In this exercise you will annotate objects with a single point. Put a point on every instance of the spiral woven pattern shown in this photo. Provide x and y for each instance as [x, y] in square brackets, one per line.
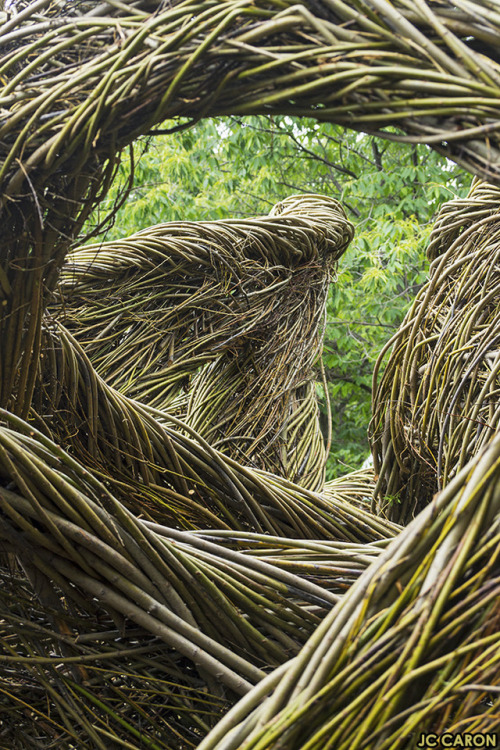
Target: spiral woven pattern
[218, 322]
[157, 563]
[437, 402]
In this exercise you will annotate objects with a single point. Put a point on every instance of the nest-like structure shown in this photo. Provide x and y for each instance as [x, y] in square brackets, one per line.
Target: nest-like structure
[220, 323]
[437, 402]
[157, 561]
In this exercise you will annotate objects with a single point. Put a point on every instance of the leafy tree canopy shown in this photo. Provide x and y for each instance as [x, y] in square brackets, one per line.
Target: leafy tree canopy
[241, 167]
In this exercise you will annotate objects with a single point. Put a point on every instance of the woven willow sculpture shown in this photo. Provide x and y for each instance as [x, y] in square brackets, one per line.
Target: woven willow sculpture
[83, 80]
[116, 630]
[214, 616]
[437, 402]
[413, 647]
[161, 467]
[204, 296]
[220, 323]
[115, 592]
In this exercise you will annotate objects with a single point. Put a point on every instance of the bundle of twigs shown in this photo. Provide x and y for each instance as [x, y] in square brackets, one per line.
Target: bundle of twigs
[137, 626]
[333, 565]
[82, 681]
[157, 464]
[438, 400]
[357, 487]
[413, 647]
[222, 614]
[237, 305]
[83, 80]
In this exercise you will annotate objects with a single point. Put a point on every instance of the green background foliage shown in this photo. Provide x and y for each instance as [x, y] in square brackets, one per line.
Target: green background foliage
[241, 167]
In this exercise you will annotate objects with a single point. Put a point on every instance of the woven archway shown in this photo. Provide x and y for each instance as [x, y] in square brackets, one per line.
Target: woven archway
[116, 629]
